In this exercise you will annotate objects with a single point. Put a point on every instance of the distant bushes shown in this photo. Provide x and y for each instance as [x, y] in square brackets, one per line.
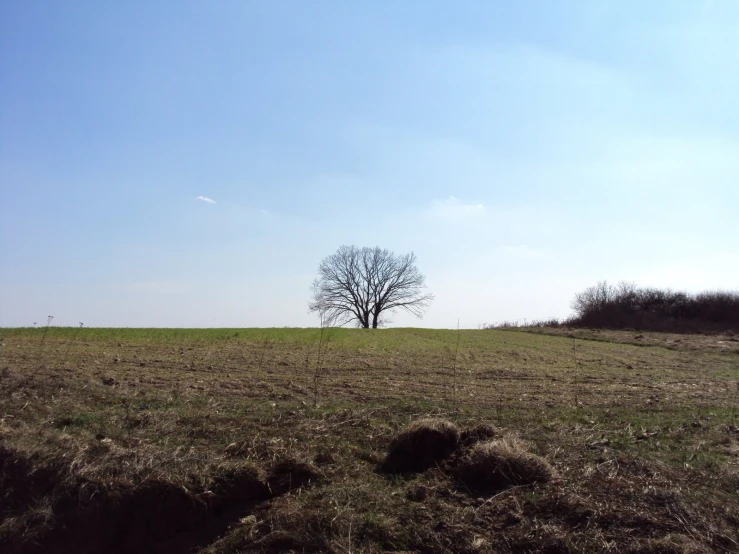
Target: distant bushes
[523, 323]
[626, 306]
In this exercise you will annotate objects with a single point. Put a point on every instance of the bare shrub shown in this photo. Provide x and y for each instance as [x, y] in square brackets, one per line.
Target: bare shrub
[420, 445]
[626, 306]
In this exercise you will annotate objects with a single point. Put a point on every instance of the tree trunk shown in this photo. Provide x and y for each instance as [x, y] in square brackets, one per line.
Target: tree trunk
[374, 321]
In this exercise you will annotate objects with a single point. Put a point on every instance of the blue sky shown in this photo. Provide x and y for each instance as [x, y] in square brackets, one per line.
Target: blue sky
[523, 150]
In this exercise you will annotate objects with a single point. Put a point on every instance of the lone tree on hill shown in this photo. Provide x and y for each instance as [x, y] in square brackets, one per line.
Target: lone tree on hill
[359, 284]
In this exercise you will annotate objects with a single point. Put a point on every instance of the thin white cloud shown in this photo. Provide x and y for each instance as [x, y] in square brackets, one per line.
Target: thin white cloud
[454, 209]
[205, 199]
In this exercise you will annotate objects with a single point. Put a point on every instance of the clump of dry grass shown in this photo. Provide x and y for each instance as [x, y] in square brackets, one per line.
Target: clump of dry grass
[420, 445]
[290, 473]
[241, 483]
[480, 432]
[502, 463]
[670, 544]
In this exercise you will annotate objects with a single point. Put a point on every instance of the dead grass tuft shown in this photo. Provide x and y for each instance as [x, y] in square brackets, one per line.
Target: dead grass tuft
[496, 465]
[240, 484]
[289, 473]
[417, 493]
[670, 544]
[478, 433]
[420, 445]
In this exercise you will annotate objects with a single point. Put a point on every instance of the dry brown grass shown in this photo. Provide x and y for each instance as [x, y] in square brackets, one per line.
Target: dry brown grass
[56, 508]
[496, 465]
[422, 444]
[212, 444]
[670, 544]
[725, 342]
[478, 432]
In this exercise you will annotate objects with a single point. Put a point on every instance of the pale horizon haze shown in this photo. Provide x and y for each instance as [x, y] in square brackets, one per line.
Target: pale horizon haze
[189, 164]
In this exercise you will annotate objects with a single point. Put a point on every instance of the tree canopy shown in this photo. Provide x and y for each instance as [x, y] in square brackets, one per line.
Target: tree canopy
[362, 284]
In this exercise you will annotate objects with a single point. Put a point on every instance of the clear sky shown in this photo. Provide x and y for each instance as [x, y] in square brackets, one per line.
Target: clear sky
[188, 163]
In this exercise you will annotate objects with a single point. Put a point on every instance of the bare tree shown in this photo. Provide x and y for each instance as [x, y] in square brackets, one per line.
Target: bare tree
[363, 284]
[594, 299]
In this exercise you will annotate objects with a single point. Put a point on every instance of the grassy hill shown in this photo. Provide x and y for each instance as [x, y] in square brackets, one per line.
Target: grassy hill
[270, 440]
